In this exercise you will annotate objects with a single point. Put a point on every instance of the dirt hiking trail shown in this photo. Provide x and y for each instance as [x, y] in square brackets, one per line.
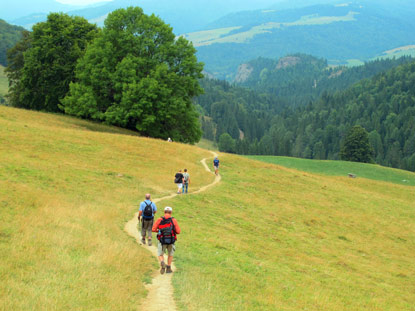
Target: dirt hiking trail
[160, 290]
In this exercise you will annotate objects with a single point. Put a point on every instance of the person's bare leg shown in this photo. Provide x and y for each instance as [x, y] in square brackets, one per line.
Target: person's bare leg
[161, 258]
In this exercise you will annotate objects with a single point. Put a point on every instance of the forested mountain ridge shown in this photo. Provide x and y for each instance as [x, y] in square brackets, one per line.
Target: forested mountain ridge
[298, 79]
[263, 123]
[9, 35]
[383, 105]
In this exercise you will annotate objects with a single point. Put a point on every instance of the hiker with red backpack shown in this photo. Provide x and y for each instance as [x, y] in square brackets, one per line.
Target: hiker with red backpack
[167, 228]
[146, 213]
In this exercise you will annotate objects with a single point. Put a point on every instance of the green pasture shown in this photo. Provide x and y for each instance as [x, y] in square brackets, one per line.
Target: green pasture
[343, 168]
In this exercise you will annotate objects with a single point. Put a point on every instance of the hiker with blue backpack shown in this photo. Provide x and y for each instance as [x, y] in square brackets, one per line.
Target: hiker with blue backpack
[216, 165]
[146, 213]
[168, 229]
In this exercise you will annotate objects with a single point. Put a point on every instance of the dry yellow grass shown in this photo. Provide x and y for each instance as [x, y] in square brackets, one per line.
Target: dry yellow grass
[265, 238]
[67, 187]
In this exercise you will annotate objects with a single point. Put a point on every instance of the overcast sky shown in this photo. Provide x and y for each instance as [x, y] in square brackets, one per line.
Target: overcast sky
[81, 2]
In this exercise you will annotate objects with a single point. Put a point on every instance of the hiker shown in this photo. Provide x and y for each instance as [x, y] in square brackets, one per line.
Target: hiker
[167, 228]
[146, 213]
[186, 180]
[178, 180]
[169, 140]
[216, 165]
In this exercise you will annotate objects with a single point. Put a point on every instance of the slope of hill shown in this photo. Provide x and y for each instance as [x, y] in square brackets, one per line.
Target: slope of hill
[342, 168]
[298, 241]
[9, 35]
[358, 30]
[67, 186]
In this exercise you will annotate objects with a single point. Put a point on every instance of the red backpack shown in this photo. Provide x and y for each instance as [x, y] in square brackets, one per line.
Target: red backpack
[167, 234]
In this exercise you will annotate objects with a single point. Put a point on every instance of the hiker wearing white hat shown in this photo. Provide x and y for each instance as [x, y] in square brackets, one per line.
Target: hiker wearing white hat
[167, 228]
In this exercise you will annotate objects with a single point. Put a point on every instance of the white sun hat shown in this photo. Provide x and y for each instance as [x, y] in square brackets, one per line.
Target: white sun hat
[168, 209]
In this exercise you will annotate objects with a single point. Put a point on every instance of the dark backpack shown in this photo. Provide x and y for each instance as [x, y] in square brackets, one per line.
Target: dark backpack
[166, 231]
[148, 211]
[178, 178]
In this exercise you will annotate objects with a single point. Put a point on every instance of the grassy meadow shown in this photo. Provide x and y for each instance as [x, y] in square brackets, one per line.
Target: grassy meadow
[267, 237]
[273, 238]
[343, 168]
[67, 187]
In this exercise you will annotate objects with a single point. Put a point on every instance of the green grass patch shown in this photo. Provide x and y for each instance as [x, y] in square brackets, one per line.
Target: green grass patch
[343, 168]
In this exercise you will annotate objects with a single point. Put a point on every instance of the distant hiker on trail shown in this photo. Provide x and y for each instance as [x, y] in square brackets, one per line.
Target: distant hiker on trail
[167, 228]
[216, 165]
[146, 213]
[186, 180]
[169, 140]
[178, 180]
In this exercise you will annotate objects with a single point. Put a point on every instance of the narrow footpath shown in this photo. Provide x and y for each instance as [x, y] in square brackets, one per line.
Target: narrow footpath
[161, 289]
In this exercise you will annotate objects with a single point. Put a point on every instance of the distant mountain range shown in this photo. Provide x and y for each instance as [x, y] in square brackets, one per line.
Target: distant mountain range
[182, 15]
[229, 33]
[342, 32]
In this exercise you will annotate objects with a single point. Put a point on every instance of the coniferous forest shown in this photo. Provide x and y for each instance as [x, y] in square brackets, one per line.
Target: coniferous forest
[265, 123]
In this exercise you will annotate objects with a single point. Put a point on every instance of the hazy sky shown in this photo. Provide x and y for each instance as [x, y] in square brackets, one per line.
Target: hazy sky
[81, 2]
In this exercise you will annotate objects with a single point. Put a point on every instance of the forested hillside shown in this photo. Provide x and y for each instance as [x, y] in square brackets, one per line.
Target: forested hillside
[383, 105]
[298, 79]
[263, 123]
[238, 111]
[9, 35]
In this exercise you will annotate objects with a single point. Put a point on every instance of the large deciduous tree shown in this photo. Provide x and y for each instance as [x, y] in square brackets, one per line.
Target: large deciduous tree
[49, 61]
[138, 75]
[356, 146]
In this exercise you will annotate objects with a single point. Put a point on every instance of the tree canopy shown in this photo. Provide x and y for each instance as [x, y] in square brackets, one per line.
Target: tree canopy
[42, 64]
[356, 146]
[137, 74]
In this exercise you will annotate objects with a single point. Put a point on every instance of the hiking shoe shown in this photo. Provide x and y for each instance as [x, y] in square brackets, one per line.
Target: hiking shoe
[150, 243]
[143, 241]
[163, 267]
[169, 270]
